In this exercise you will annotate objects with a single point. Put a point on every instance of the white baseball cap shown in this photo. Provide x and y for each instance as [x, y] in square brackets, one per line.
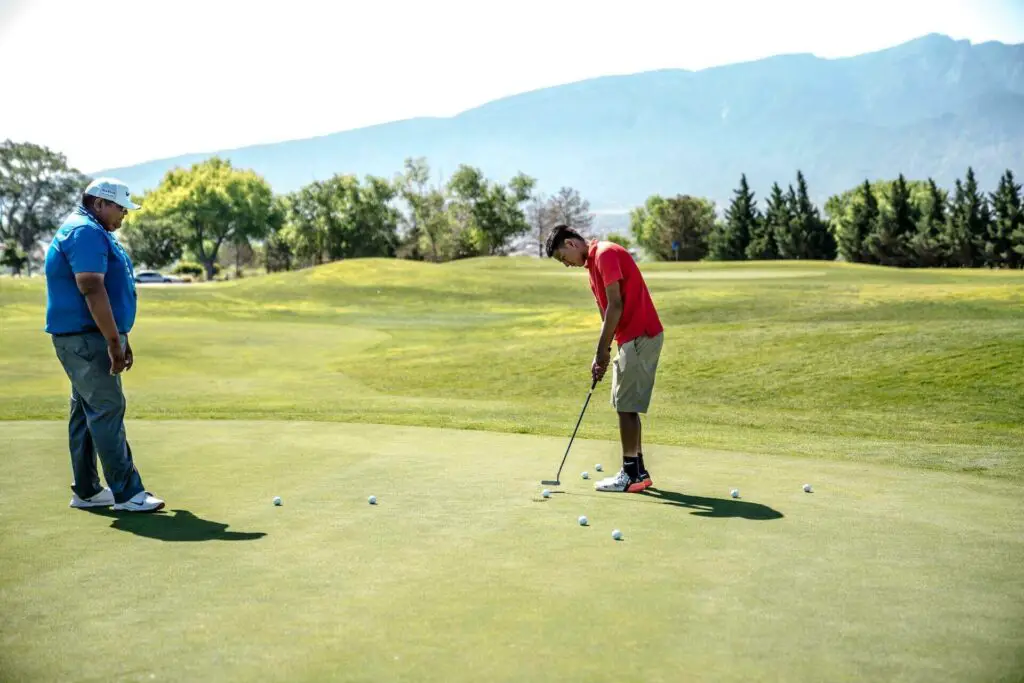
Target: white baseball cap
[113, 190]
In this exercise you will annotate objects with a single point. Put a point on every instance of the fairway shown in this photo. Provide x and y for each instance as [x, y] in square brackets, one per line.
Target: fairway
[463, 572]
[449, 391]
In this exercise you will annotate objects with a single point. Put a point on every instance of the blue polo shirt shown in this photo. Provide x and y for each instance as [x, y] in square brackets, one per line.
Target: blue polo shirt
[82, 245]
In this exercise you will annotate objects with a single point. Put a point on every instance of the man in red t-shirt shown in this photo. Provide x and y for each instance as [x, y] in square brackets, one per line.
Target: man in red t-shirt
[628, 316]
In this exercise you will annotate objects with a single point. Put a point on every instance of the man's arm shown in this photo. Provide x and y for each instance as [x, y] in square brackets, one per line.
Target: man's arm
[611, 320]
[611, 315]
[92, 288]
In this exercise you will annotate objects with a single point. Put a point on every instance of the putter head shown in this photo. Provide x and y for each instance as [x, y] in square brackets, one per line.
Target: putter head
[551, 482]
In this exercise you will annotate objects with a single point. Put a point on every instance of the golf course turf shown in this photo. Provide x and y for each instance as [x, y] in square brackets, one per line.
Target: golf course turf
[449, 391]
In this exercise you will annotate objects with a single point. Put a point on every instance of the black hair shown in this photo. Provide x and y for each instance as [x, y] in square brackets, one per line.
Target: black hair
[557, 237]
[89, 202]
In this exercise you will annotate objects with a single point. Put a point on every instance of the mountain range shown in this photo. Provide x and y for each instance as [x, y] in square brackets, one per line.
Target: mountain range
[930, 107]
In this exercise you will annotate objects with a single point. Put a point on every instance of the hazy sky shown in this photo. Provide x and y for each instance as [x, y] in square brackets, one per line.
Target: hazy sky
[124, 81]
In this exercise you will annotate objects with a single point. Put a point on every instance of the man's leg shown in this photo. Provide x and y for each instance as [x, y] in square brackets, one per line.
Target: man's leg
[629, 431]
[624, 369]
[86, 482]
[86, 361]
[644, 474]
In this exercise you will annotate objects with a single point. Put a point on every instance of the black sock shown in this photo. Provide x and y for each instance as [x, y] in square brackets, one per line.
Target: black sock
[632, 467]
[643, 467]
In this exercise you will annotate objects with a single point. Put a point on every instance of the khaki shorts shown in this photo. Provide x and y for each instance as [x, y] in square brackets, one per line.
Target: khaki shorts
[633, 371]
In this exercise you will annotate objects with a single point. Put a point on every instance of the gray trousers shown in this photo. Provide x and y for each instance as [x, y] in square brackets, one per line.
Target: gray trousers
[96, 422]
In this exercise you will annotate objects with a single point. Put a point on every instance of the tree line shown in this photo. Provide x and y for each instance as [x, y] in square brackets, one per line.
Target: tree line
[198, 215]
[891, 223]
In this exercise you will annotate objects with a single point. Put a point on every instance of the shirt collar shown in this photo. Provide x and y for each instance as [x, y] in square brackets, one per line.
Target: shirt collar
[591, 250]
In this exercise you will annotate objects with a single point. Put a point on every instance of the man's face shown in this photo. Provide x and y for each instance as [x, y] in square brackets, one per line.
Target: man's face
[572, 253]
[110, 214]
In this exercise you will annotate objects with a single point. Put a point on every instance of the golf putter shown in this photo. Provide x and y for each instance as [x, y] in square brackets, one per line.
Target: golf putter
[557, 480]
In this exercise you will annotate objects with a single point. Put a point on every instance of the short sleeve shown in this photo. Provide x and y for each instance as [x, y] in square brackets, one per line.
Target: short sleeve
[609, 267]
[87, 251]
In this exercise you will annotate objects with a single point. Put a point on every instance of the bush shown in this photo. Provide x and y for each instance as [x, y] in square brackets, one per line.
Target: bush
[620, 240]
[189, 268]
[194, 269]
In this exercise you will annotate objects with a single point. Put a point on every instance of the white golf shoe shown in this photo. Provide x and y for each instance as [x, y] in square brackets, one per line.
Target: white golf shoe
[103, 499]
[142, 501]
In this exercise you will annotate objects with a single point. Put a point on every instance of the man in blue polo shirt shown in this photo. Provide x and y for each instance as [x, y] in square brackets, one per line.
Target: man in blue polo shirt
[90, 309]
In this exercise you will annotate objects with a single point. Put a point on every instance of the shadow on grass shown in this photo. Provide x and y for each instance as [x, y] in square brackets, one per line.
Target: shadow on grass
[181, 526]
[714, 507]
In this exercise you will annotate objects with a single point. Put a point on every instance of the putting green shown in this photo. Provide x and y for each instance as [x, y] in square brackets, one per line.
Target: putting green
[463, 572]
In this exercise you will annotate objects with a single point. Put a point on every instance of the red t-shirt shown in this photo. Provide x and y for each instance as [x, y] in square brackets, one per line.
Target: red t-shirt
[608, 262]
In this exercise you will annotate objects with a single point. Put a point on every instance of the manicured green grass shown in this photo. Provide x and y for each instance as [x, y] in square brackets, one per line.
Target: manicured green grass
[918, 368]
[463, 572]
[896, 393]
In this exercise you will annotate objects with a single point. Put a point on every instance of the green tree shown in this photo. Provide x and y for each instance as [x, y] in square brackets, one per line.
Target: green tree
[731, 237]
[212, 203]
[854, 221]
[674, 228]
[151, 240]
[621, 240]
[890, 242]
[412, 189]
[808, 236]
[340, 218]
[926, 244]
[1004, 247]
[966, 228]
[37, 190]
[487, 215]
[13, 257]
[777, 218]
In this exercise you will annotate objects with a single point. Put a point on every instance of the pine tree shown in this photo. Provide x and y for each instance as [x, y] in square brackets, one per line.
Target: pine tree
[889, 243]
[776, 220]
[862, 223]
[966, 228]
[817, 240]
[1004, 247]
[927, 243]
[788, 236]
[732, 237]
[762, 245]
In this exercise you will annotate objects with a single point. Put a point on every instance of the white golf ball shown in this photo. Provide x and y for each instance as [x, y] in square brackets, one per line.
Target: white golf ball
[372, 500]
[617, 535]
[598, 467]
[735, 493]
[582, 520]
[807, 488]
[585, 475]
[277, 500]
[546, 493]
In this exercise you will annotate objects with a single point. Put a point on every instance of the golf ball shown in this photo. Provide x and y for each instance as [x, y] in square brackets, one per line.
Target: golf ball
[585, 475]
[735, 493]
[582, 520]
[807, 488]
[277, 500]
[598, 467]
[372, 500]
[617, 535]
[546, 493]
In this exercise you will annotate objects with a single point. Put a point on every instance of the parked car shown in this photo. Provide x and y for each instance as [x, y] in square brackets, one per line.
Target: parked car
[153, 276]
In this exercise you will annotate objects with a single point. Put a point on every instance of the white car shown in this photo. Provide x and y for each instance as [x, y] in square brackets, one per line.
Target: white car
[153, 276]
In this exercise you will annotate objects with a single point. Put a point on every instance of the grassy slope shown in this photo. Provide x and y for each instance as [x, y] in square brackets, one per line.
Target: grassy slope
[908, 367]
